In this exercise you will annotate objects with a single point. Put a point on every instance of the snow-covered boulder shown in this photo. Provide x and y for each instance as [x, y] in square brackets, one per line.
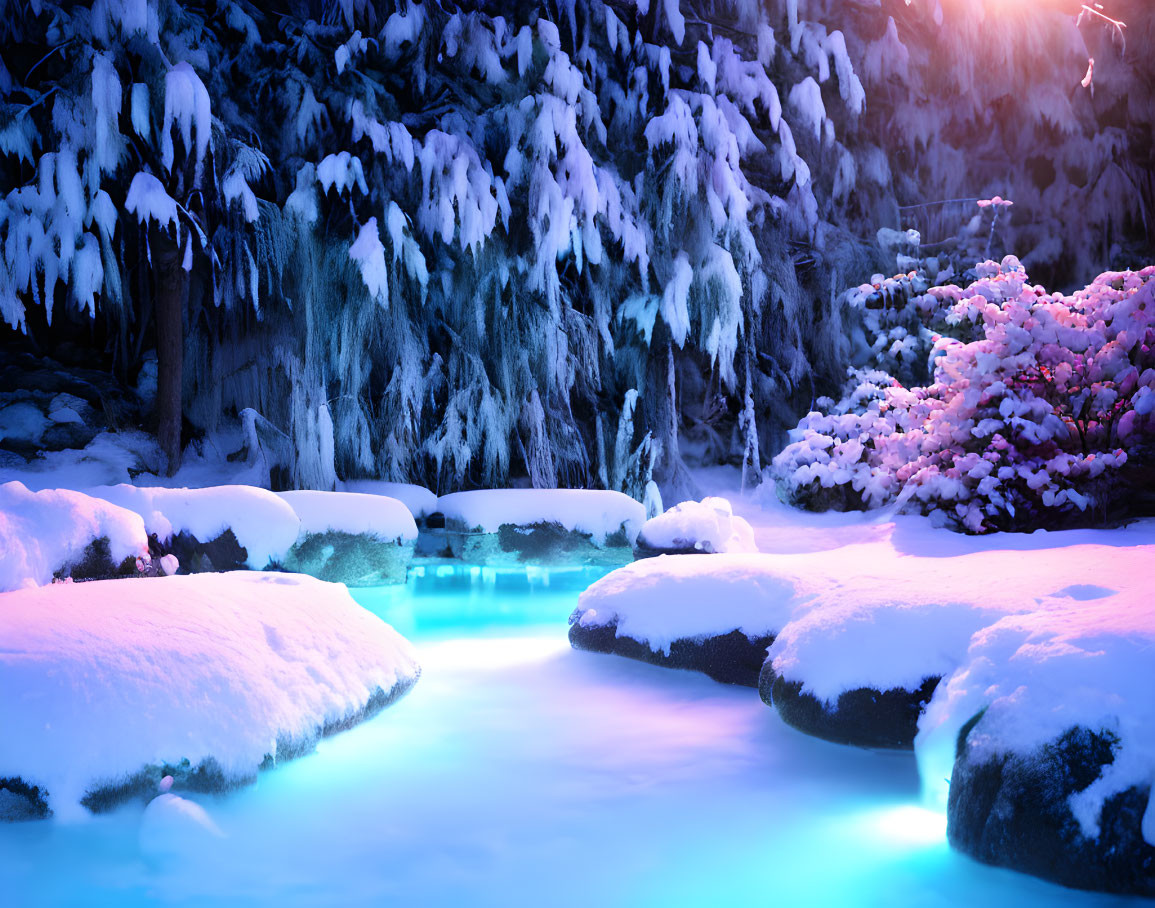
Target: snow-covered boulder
[861, 663]
[1049, 726]
[352, 538]
[110, 686]
[219, 528]
[496, 526]
[57, 533]
[692, 527]
[420, 501]
[715, 615]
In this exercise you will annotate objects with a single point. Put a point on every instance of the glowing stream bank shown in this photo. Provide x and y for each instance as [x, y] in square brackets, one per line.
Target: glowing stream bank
[520, 772]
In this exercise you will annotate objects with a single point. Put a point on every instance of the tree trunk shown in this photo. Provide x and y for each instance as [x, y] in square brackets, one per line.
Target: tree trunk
[171, 302]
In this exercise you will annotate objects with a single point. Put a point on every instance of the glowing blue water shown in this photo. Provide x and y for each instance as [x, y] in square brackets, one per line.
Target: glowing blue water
[520, 772]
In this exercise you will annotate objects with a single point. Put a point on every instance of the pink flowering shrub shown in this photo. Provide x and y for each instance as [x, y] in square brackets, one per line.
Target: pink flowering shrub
[1043, 417]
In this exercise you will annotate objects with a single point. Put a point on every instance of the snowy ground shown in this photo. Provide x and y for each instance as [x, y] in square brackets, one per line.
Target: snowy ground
[521, 772]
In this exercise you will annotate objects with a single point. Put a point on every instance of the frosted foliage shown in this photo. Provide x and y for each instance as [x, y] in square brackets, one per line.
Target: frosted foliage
[149, 201]
[369, 255]
[188, 110]
[464, 227]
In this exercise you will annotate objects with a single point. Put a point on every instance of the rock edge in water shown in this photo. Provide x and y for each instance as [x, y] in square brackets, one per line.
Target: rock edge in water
[731, 658]
[21, 801]
[864, 717]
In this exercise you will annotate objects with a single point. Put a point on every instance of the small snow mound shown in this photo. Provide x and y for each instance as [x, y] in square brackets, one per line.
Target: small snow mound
[172, 826]
[708, 526]
[43, 532]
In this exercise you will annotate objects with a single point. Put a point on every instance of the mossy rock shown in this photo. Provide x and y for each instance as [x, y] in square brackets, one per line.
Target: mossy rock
[355, 559]
[864, 717]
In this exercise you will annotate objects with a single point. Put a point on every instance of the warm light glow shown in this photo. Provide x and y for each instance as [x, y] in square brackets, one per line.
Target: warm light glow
[910, 825]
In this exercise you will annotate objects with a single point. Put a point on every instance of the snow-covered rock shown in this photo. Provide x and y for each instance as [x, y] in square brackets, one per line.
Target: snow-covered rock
[352, 538]
[707, 526]
[420, 501]
[541, 525]
[59, 533]
[864, 659]
[716, 615]
[111, 685]
[861, 663]
[1049, 727]
[216, 528]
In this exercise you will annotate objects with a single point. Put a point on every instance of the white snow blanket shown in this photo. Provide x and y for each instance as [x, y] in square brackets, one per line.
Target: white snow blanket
[42, 532]
[103, 678]
[264, 524]
[596, 512]
[420, 501]
[708, 525]
[351, 512]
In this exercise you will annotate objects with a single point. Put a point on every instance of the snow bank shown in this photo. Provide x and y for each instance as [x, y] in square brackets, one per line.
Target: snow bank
[420, 501]
[596, 512]
[708, 525]
[886, 620]
[103, 679]
[1082, 660]
[43, 532]
[673, 597]
[263, 524]
[351, 512]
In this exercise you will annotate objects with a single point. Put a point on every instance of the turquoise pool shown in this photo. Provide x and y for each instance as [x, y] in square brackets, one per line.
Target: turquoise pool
[519, 772]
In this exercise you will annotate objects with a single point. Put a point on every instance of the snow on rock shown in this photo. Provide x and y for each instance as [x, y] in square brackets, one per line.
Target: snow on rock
[263, 524]
[890, 621]
[658, 601]
[1082, 660]
[707, 526]
[420, 501]
[598, 513]
[106, 680]
[351, 512]
[47, 532]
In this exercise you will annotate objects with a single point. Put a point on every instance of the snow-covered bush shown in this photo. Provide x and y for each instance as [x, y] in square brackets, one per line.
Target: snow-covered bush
[1041, 420]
